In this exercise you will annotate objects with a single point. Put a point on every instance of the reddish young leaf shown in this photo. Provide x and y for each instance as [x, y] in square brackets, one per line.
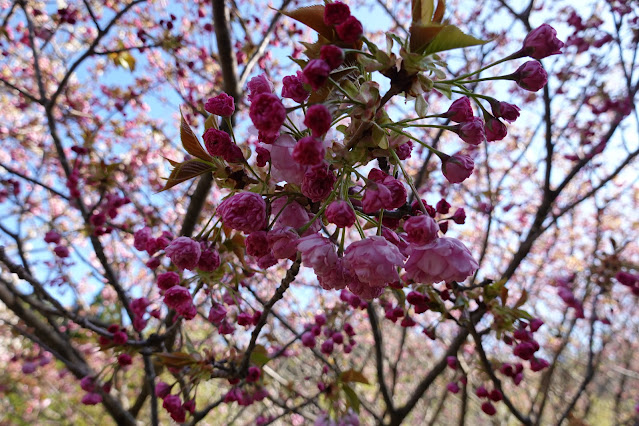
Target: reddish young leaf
[186, 171]
[190, 142]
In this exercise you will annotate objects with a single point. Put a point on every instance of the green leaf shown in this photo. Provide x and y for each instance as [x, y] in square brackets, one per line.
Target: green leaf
[451, 37]
[400, 295]
[421, 106]
[423, 11]
[380, 137]
[445, 90]
[259, 356]
[351, 397]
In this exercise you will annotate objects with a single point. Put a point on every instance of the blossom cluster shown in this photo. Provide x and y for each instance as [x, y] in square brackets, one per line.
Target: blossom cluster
[328, 187]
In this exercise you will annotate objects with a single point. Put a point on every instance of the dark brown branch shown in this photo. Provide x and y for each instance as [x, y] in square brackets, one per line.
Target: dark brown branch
[89, 52]
[437, 369]
[491, 373]
[279, 293]
[259, 51]
[21, 91]
[34, 181]
[379, 360]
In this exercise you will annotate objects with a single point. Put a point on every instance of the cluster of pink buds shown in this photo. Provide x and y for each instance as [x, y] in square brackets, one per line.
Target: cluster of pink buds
[173, 403]
[495, 396]
[331, 334]
[564, 291]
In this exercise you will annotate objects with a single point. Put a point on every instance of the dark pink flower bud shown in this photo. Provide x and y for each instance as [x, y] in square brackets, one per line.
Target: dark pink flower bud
[61, 251]
[168, 280]
[318, 119]
[481, 392]
[257, 85]
[627, 279]
[521, 334]
[263, 156]
[217, 313]
[225, 327]
[508, 112]
[308, 339]
[141, 238]
[217, 142]
[267, 113]
[408, 322]
[472, 131]
[189, 406]
[124, 360]
[376, 197]
[254, 374]
[335, 13]
[320, 319]
[350, 30]
[340, 213]
[538, 364]
[293, 88]
[495, 129]
[316, 73]
[458, 168]
[453, 387]
[442, 206]
[398, 192]
[162, 389]
[327, 347]
[29, 367]
[209, 260]
[488, 408]
[87, 384]
[460, 111]
[531, 76]
[52, 237]
[318, 182]
[222, 105]
[542, 42]
[452, 362]
[535, 323]
[460, 216]
[495, 395]
[91, 399]
[173, 405]
[415, 298]
[308, 151]
[333, 55]
[257, 244]
[337, 337]
[421, 229]
[507, 370]
[120, 337]
[184, 252]
[518, 378]
[404, 151]
[178, 298]
[524, 350]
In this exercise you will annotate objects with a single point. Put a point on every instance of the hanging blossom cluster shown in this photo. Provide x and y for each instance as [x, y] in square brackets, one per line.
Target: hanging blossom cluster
[309, 193]
[327, 185]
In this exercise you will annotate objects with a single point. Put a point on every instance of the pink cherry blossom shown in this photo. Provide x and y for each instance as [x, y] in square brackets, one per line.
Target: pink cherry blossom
[373, 261]
[444, 259]
[244, 211]
[184, 252]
